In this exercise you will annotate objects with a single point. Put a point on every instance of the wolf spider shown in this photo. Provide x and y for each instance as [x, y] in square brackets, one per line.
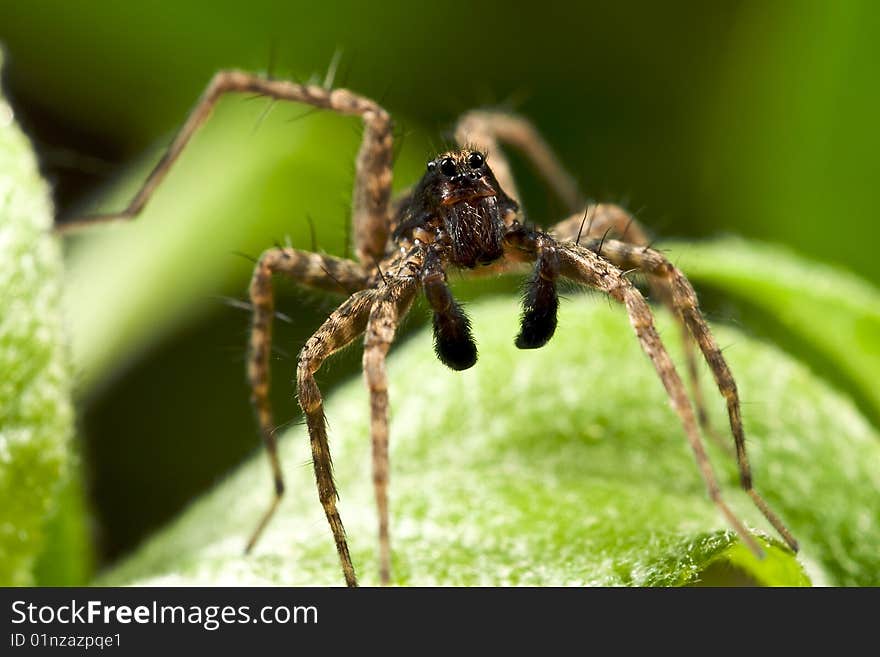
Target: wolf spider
[461, 214]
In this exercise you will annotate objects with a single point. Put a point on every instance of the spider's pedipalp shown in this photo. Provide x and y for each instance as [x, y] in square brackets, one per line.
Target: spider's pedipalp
[541, 301]
[453, 341]
[392, 304]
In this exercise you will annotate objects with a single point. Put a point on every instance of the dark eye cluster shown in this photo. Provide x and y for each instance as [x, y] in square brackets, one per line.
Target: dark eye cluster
[447, 164]
[475, 160]
[447, 167]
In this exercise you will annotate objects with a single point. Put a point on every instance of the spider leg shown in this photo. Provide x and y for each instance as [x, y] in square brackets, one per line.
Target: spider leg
[603, 220]
[392, 304]
[345, 324]
[584, 266]
[373, 169]
[597, 220]
[485, 129]
[684, 299]
[310, 269]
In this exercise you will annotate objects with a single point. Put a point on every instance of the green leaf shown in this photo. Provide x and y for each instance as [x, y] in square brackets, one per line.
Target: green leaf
[787, 143]
[563, 465]
[822, 313]
[36, 416]
[68, 557]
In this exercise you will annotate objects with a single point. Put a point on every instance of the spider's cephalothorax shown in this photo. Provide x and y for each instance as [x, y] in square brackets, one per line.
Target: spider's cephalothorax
[460, 214]
[461, 203]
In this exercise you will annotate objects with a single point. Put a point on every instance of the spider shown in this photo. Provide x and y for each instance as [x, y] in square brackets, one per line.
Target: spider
[462, 214]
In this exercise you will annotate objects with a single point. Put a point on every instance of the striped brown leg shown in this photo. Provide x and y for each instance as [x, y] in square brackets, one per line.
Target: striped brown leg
[584, 266]
[344, 325]
[604, 220]
[310, 269]
[600, 220]
[684, 299]
[373, 169]
[393, 303]
[485, 129]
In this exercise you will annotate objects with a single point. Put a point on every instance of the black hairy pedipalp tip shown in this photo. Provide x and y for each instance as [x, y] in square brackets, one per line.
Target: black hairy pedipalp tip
[453, 342]
[538, 326]
[539, 318]
[458, 355]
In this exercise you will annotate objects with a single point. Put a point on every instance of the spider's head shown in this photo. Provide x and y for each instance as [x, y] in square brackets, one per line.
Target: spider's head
[460, 176]
[460, 195]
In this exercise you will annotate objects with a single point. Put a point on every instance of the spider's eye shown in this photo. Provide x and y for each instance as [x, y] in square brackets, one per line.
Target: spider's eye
[432, 165]
[476, 160]
[447, 167]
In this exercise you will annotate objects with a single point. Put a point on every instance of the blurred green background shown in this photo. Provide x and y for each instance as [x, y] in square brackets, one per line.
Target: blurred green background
[748, 118]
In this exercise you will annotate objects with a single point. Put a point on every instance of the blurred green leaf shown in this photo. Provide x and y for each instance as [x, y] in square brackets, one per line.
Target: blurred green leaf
[789, 134]
[68, 558]
[563, 465]
[36, 416]
[816, 308]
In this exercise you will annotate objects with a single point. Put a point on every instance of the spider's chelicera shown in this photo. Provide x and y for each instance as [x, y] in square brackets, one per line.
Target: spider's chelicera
[461, 214]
